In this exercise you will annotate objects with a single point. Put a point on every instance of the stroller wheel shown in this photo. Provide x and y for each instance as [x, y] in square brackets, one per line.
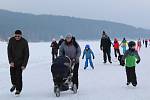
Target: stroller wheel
[55, 89]
[74, 88]
[57, 92]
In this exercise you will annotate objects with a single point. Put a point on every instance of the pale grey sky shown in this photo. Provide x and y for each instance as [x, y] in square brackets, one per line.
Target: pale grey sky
[132, 12]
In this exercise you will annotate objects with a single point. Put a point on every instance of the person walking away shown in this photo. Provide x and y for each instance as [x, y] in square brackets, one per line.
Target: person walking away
[143, 41]
[116, 48]
[54, 47]
[88, 53]
[124, 45]
[68, 48]
[131, 57]
[146, 43]
[105, 46]
[18, 55]
[139, 44]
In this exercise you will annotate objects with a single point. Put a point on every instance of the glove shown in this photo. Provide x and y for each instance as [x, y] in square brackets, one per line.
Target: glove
[73, 60]
[123, 63]
[22, 67]
[93, 57]
[138, 61]
[101, 48]
[12, 64]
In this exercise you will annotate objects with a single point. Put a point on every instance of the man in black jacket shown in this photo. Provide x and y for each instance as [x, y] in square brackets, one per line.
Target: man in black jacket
[106, 47]
[18, 55]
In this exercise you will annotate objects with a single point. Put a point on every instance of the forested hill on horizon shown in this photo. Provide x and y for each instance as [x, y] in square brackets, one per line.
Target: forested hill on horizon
[45, 27]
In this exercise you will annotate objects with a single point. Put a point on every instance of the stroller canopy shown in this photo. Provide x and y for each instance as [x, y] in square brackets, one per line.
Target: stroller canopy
[61, 66]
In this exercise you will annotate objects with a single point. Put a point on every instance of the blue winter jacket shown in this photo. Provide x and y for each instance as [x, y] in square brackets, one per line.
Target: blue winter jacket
[88, 53]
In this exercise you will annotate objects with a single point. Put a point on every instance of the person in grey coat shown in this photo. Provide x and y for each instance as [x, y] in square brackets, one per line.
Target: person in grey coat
[71, 49]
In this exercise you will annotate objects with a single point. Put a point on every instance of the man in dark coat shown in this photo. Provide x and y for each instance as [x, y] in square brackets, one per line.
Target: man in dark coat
[18, 55]
[106, 47]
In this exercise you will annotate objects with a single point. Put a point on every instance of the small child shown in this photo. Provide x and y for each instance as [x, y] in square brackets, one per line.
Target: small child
[88, 52]
[116, 47]
[131, 57]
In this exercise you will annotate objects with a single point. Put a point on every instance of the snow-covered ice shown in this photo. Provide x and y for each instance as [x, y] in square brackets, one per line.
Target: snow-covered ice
[106, 82]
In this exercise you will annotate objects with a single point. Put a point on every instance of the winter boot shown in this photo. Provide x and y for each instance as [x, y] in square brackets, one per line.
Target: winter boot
[17, 93]
[110, 62]
[128, 83]
[105, 62]
[85, 68]
[134, 84]
[13, 88]
[92, 67]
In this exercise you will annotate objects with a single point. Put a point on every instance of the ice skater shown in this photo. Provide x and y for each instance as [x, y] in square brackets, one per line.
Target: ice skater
[116, 48]
[105, 46]
[88, 53]
[124, 45]
[131, 57]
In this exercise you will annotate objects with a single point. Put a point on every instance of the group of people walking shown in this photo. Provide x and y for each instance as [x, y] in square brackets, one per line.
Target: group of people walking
[18, 55]
[106, 44]
[129, 58]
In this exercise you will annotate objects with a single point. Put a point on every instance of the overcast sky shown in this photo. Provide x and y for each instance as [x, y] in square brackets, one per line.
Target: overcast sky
[132, 12]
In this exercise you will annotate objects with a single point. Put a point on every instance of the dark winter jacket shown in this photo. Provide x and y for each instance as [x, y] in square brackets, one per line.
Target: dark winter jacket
[75, 42]
[60, 42]
[55, 47]
[70, 50]
[116, 44]
[18, 52]
[105, 42]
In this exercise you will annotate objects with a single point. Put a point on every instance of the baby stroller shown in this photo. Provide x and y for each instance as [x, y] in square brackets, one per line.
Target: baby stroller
[62, 72]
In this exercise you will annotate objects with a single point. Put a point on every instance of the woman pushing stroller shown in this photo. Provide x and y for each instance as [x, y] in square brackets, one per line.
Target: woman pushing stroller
[71, 49]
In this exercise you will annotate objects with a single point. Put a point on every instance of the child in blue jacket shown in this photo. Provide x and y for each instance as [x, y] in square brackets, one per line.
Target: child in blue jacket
[88, 53]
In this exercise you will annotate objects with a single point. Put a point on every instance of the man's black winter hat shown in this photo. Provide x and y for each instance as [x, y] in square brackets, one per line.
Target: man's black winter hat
[104, 33]
[18, 32]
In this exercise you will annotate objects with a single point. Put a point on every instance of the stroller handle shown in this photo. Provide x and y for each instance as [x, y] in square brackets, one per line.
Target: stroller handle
[72, 63]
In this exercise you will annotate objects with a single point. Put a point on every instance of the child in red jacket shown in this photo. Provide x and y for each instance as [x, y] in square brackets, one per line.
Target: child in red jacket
[116, 47]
